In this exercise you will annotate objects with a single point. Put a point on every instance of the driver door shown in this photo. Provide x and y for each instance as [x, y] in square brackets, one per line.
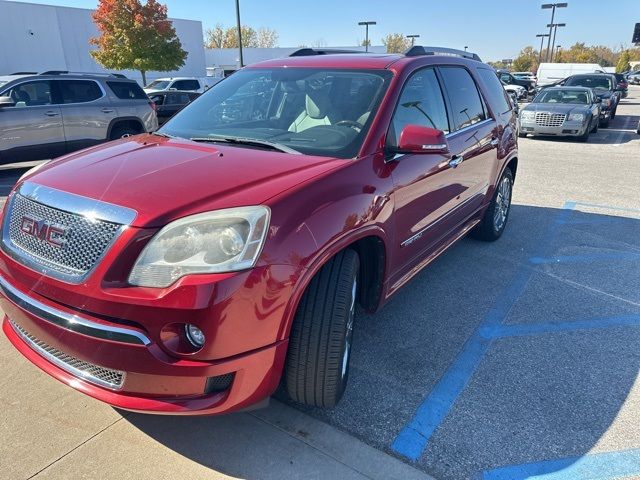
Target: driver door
[426, 188]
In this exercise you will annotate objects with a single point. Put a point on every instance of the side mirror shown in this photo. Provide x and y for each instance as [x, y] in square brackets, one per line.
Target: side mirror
[7, 102]
[419, 139]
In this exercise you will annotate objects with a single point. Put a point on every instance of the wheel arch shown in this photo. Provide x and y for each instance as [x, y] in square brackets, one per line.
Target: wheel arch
[135, 121]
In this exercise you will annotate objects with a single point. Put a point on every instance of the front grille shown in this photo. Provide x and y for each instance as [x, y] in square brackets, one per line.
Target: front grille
[550, 119]
[104, 377]
[72, 253]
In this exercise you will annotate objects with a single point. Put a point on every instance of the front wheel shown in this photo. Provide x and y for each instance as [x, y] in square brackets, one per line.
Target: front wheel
[495, 217]
[317, 365]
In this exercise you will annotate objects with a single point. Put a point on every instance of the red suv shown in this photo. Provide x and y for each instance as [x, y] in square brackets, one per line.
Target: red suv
[189, 270]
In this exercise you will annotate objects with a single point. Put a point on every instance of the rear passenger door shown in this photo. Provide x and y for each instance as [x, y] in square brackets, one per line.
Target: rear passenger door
[32, 129]
[473, 139]
[86, 112]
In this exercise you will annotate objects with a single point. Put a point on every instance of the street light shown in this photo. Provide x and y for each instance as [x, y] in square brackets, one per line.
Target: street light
[555, 29]
[413, 38]
[553, 7]
[366, 26]
[541, 36]
[465, 47]
[239, 32]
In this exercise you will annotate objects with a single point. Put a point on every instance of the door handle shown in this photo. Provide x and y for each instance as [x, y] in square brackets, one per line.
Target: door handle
[107, 110]
[51, 113]
[455, 161]
[495, 142]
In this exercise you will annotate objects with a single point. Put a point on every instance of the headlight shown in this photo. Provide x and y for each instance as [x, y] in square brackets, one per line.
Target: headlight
[576, 117]
[212, 242]
[527, 115]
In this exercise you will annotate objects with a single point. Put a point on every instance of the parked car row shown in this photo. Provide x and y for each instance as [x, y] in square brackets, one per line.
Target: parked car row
[575, 106]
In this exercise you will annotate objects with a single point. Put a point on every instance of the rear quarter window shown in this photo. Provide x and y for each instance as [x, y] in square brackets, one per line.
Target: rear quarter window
[127, 90]
[496, 94]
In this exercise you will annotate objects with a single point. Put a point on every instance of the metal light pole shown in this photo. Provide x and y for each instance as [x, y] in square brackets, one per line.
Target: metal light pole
[413, 38]
[555, 29]
[239, 32]
[366, 38]
[558, 47]
[541, 36]
[553, 7]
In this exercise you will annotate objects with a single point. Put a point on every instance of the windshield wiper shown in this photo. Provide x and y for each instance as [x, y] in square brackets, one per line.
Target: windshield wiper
[247, 141]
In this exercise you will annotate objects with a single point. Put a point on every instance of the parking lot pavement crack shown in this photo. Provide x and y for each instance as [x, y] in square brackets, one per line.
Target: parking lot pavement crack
[74, 448]
[589, 289]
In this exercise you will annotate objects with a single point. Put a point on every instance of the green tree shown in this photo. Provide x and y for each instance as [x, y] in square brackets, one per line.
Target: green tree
[134, 36]
[623, 62]
[526, 61]
[219, 37]
[396, 43]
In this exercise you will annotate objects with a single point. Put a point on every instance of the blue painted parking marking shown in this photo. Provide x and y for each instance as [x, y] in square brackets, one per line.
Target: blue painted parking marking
[601, 466]
[414, 437]
[507, 331]
[592, 257]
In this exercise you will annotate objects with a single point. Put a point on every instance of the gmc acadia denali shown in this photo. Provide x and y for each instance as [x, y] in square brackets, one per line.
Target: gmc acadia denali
[188, 271]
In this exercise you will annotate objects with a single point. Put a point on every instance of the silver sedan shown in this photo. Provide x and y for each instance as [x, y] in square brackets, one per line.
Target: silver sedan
[561, 111]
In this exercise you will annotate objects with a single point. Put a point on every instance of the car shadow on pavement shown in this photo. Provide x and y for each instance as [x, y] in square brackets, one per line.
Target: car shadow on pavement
[555, 304]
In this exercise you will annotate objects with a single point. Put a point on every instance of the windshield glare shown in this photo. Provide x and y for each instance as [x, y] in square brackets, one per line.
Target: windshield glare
[310, 110]
[159, 84]
[601, 82]
[579, 97]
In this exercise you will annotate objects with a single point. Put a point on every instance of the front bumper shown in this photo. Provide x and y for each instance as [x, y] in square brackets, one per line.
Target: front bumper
[154, 381]
[567, 129]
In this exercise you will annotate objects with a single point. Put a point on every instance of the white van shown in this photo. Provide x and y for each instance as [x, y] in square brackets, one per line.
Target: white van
[186, 84]
[549, 73]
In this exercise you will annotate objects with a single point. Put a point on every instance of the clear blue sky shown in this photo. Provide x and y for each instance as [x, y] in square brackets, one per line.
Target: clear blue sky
[495, 29]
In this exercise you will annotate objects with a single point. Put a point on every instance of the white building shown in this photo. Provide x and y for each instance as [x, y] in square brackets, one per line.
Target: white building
[229, 58]
[36, 38]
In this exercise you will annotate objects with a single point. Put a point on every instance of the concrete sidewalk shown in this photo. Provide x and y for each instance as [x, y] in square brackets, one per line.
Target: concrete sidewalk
[50, 431]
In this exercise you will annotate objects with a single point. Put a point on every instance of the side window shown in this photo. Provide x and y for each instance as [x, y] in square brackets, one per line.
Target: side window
[79, 91]
[497, 96]
[157, 99]
[464, 97]
[30, 94]
[127, 90]
[186, 85]
[421, 103]
[177, 99]
[506, 78]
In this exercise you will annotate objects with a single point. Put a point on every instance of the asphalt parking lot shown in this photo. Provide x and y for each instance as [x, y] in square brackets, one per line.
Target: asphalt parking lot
[500, 361]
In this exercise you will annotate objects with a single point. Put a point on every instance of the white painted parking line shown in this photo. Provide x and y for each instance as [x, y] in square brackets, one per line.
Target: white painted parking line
[625, 129]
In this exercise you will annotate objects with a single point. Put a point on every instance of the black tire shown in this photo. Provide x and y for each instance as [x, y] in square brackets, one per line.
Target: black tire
[317, 365]
[604, 123]
[522, 135]
[585, 136]
[121, 131]
[488, 229]
[595, 127]
[613, 113]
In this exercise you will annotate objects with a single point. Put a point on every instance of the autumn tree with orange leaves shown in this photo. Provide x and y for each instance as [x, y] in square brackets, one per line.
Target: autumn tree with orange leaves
[136, 36]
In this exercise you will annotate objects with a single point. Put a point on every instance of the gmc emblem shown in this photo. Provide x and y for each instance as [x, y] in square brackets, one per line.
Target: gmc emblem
[54, 235]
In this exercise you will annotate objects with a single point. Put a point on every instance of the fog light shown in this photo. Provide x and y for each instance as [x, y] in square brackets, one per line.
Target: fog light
[194, 335]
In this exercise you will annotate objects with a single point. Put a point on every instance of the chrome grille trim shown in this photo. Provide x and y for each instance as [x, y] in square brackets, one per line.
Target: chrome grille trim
[544, 119]
[104, 377]
[70, 321]
[91, 227]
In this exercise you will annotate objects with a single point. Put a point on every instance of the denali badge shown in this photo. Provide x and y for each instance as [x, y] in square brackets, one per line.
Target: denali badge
[48, 232]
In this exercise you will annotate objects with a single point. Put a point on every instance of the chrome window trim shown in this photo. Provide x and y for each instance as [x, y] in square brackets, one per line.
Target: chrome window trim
[71, 203]
[68, 321]
[23, 334]
[31, 80]
[469, 127]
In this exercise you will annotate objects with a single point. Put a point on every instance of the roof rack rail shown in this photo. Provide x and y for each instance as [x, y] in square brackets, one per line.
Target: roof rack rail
[419, 50]
[307, 52]
[23, 73]
[95, 74]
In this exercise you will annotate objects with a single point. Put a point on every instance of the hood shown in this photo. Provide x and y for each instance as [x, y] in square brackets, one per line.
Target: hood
[164, 179]
[565, 108]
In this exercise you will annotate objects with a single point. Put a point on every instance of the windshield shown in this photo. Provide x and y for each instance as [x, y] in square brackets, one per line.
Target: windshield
[159, 84]
[311, 110]
[595, 81]
[579, 97]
